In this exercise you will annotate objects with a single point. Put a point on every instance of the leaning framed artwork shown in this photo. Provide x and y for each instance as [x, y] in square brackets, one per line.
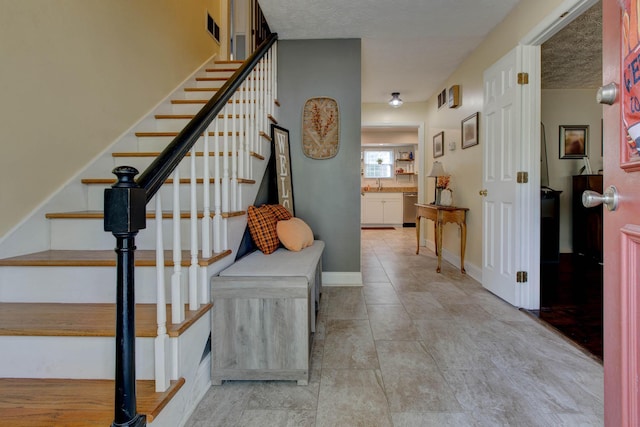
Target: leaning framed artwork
[573, 141]
[438, 145]
[469, 129]
[282, 166]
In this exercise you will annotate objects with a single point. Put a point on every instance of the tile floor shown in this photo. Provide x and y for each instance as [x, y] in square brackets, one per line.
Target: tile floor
[416, 348]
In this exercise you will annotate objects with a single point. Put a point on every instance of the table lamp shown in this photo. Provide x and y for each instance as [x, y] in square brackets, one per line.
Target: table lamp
[436, 171]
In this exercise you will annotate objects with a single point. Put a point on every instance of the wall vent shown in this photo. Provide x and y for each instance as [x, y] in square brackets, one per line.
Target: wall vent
[212, 28]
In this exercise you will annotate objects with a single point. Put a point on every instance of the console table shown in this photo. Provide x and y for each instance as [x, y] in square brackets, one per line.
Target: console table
[441, 215]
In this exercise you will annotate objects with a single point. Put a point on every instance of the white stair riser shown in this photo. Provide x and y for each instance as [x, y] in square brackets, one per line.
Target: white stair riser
[158, 143]
[80, 284]
[176, 125]
[87, 234]
[69, 357]
[95, 197]
[141, 163]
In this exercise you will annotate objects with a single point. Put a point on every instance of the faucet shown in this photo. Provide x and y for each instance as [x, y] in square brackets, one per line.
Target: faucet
[379, 184]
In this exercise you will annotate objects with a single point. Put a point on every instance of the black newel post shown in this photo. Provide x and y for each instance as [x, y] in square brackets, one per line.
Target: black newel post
[124, 214]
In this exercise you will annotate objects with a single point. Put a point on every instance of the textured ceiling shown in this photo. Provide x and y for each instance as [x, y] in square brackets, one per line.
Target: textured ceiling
[572, 59]
[408, 46]
[412, 46]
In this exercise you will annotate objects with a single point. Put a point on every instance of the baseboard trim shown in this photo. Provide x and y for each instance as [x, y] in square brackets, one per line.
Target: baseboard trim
[339, 278]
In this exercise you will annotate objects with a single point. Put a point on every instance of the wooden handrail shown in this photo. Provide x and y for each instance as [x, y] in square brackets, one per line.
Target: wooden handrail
[154, 176]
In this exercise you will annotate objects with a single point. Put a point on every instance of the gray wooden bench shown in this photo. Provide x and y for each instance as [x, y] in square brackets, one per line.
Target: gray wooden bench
[264, 316]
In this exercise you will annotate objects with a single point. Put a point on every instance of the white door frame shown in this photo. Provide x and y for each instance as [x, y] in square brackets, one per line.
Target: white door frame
[529, 205]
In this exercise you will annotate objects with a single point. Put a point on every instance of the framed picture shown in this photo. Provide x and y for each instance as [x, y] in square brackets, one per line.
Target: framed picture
[573, 141]
[469, 128]
[438, 145]
[442, 98]
[281, 155]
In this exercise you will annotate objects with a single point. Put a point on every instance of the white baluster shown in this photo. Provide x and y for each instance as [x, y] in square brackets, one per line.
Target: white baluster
[225, 174]
[206, 199]
[275, 72]
[269, 85]
[162, 350]
[177, 308]
[193, 235]
[252, 113]
[241, 145]
[260, 110]
[217, 199]
[233, 185]
[248, 173]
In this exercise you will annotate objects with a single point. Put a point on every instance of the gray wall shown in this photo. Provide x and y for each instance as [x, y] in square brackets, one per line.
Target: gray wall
[326, 192]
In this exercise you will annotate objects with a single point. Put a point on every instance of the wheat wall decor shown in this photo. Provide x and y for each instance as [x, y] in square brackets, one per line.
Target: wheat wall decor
[320, 128]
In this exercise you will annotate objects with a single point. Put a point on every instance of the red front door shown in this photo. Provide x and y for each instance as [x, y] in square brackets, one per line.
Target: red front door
[621, 64]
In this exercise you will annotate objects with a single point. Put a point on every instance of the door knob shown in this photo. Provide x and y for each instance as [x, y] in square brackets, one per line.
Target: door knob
[610, 198]
[483, 193]
[607, 94]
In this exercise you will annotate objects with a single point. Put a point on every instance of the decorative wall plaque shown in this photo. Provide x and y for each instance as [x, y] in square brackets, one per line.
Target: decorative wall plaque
[320, 128]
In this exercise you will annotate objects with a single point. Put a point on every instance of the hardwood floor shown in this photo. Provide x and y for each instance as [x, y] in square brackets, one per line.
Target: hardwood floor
[571, 300]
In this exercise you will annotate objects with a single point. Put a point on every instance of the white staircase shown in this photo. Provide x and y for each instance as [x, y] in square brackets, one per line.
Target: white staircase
[57, 303]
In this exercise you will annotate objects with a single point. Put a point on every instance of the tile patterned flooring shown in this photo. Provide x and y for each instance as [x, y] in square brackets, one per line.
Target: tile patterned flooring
[416, 348]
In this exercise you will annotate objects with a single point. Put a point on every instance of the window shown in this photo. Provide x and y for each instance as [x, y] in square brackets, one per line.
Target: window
[378, 163]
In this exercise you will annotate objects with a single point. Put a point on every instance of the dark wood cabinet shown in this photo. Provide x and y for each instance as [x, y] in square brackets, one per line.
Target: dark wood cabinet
[587, 222]
[549, 226]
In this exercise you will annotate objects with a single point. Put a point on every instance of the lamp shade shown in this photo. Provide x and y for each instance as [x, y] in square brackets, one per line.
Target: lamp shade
[395, 100]
[437, 170]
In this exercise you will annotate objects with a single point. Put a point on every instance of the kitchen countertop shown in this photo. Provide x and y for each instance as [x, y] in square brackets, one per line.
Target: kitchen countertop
[390, 190]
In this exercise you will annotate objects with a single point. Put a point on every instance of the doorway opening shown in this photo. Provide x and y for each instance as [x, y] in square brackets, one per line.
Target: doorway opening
[571, 235]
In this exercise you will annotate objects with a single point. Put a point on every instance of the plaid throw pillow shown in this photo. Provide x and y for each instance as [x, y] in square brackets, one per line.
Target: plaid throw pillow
[262, 227]
[281, 213]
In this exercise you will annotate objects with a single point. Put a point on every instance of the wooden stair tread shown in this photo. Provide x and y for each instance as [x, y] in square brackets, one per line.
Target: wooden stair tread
[102, 258]
[150, 214]
[174, 134]
[222, 70]
[157, 153]
[198, 153]
[85, 320]
[204, 101]
[191, 116]
[229, 61]
[109, 181]
[39, 402]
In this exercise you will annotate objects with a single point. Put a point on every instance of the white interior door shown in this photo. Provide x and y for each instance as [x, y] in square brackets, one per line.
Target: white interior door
[500, 124]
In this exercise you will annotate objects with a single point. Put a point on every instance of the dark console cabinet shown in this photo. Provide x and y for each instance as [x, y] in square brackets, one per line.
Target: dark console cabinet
[549, 226]
[587, 222]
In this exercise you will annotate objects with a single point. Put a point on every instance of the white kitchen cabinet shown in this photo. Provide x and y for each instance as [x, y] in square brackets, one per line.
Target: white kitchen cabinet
[382, 208]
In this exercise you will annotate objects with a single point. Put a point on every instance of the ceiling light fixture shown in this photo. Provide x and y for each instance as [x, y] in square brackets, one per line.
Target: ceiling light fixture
[395, 100]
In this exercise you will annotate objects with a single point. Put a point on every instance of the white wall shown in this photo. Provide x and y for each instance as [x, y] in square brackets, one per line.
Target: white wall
[570, 107]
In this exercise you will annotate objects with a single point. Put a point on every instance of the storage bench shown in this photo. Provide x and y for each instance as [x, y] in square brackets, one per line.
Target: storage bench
[263, 316]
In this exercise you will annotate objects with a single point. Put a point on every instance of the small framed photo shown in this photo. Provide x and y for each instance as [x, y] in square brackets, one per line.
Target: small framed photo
[438, 145]
[469, 128]
[573, 141]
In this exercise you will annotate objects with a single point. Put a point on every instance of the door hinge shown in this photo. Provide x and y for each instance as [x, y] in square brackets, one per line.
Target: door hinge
[523, 78]
[523, 177]
[521, 277]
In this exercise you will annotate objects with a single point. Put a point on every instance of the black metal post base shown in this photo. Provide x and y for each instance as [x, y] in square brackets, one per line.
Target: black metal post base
[137, 421]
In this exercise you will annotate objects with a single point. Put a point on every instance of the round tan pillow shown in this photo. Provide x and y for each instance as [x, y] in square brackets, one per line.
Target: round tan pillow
[294, 234]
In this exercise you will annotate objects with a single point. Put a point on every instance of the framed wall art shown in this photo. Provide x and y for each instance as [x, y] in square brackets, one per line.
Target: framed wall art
[469, 128]
[438, 145]
[573, 141]
[320, 128]
[282, 166]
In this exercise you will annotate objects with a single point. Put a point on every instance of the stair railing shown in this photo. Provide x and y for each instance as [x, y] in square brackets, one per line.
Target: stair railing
[125, 214]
